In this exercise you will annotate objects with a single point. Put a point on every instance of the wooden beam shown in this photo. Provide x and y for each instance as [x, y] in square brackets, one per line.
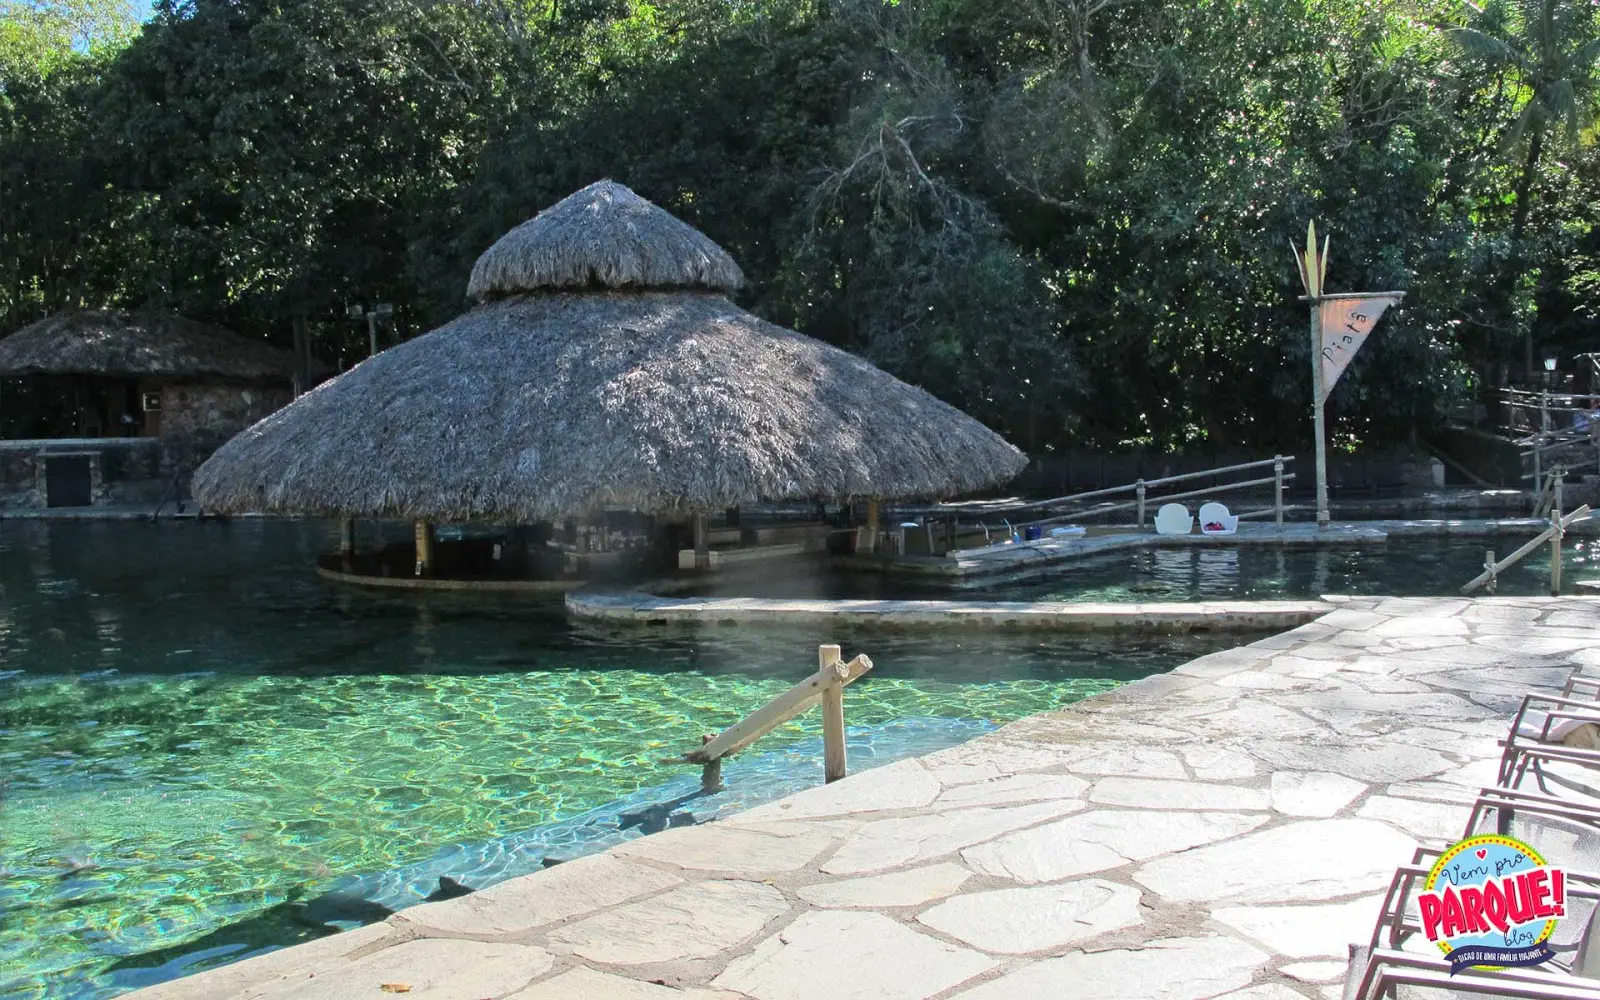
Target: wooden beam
[831, 661]
[777, 711]
[347, 537]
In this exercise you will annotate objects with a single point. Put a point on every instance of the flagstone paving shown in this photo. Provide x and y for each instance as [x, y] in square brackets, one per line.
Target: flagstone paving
[1225, 830]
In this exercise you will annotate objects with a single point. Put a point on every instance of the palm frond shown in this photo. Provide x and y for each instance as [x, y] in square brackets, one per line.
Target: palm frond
[1476, 44]
[1560, 100]
[1534, 114]
[1582, 60]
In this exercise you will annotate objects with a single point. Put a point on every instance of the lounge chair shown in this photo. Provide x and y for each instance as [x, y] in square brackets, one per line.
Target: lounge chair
[1215, 520]
[1398, 962]
[1174, 519]
[1550, 734]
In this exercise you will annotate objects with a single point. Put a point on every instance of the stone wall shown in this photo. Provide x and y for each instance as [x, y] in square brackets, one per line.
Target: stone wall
[197, 419]
[121, 470]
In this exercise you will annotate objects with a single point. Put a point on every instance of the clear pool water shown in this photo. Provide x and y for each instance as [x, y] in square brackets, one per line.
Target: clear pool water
[193, 727]
[1402, 567]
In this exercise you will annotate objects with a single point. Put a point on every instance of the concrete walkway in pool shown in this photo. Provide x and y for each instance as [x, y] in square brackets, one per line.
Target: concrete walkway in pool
[1040, 555]
[1223, 830]
[634, 606]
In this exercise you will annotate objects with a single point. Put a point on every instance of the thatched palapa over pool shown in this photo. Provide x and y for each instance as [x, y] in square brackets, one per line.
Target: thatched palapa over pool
[605, 365]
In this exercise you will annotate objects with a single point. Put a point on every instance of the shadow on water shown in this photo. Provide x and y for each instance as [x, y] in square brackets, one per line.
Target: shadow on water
[293, 921]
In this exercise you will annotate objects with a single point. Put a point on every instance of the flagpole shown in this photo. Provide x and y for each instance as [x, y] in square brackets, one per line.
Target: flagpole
[1316, 412]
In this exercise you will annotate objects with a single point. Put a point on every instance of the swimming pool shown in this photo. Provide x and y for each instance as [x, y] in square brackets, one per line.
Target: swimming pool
[193, 727]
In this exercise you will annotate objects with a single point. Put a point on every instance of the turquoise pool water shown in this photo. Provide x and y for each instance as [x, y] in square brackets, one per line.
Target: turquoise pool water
[193, 728]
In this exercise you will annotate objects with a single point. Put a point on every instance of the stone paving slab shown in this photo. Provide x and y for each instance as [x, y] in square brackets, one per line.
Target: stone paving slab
[1224, 830]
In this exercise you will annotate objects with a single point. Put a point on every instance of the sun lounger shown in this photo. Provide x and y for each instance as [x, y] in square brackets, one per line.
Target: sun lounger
[1215, 520]
[1174, 519]
[1399, 962]
[1549, 734]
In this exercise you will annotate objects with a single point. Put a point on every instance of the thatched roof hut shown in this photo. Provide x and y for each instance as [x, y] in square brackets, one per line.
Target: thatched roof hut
[605, 365]
[140, 346]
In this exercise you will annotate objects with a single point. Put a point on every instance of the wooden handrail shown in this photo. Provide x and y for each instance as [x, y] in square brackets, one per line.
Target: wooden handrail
[1494, 569]
[826, 686]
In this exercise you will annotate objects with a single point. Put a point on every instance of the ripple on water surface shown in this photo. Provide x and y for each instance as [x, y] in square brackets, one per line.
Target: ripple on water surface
[193, 728]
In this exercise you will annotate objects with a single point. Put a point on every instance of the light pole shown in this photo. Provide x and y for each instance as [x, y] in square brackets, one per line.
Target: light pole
[380, 313]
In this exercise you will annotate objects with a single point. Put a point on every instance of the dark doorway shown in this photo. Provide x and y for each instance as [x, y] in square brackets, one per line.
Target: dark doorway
[66, 481]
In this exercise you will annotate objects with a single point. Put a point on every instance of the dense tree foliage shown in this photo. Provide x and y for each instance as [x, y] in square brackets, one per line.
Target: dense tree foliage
[1069, 217]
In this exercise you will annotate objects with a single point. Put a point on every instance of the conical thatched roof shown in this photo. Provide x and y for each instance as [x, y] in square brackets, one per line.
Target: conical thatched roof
[604, 236]
[139, 345]
[549, 402]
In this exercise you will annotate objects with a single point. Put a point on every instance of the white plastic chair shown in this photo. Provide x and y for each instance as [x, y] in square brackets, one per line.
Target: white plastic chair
[1217, 514]
[1174, 519]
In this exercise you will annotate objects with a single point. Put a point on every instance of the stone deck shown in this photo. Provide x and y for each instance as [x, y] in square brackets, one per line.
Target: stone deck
[1225, 830]
[644, 608]
[1018, 561]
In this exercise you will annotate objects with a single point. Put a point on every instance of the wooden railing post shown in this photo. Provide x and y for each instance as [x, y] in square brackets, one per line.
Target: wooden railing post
[1557, 529]
[830, 662]
[424, 537]
[1138, 489]
[1277, 488]
[711, 774]
[702, 541]
[1488, 565]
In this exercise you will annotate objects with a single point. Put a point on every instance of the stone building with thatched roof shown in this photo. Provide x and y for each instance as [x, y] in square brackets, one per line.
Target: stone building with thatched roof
[605, 366]
[108, 405]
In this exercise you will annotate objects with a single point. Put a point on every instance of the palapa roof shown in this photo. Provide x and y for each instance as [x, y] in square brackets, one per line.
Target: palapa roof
[606, 367]
[139, 345]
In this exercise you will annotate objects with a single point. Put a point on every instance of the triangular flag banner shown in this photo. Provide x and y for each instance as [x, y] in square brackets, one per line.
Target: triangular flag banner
[1345, 325]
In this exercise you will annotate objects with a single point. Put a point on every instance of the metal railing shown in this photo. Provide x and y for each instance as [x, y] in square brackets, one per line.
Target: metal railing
[1077, 506]
[1553, 427]
[826, 686]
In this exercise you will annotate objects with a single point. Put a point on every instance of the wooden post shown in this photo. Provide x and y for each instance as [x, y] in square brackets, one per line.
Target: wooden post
[372, 334]
[1277, 488]
[1138, 489]
[702, 542]
[1489, 569]
[424, 537]
[777, 711]
[872, 525]
[347, 537]
[1556, 531]
[711, 774]
[1538, 447]
[830, 659]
